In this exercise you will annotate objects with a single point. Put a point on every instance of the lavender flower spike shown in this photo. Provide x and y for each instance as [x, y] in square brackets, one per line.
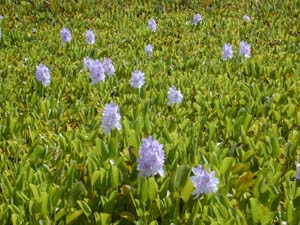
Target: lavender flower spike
[87, 63]
[149, 50]
[97, 72]
[152, 25]
[197, 18]
[90, 37]
[109, 68]
[298, 171]
[227, 52]
[42, 74]
[203, 181]
[151, 159]
[174, 96]
[65, 35]
[137, 79]
[110, 118]
[245, 49]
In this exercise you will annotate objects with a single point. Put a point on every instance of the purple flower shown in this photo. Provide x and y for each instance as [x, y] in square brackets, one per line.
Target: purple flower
[110, 118]
[1, 17]
[245, 49]
[42, 74]
[246, 18]
[65, 34]
[203, 181]
[148, 50]
[97, 72]
[151, 159]
[298, 171]
[227, 52]
[90, 37]
[197, 18]
[137, 79]
[87, 63]
[152, 25]
[174, 96]
[109, 68]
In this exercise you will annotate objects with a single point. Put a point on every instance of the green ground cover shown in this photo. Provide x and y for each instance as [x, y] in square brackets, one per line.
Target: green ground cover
[239, 117]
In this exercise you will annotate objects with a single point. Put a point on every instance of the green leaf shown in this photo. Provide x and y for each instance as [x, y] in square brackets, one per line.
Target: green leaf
[273, 142]
[227, 165]
[152, 188]
[44, 203]
[187, 190]
[73, 216]
[85, 207]
[181, 176]
[115, 176]
[35, 192]
[113, 148]
[143, 188]
[37, 154]
[255, 210]
[132, 139]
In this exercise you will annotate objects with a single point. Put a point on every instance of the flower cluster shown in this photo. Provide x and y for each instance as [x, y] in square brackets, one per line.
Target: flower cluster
[65, 35]
[151, 159]
[245, 49]
[110, 118]
[99, 69]
[197, 18]
[227, 52]
[90, 37]
[174, 96]
[97, 72]
[137, 79]
[152, 25]
[149, 50]
[87, 63]
[203, 181]
[42, 74]
[109, 68]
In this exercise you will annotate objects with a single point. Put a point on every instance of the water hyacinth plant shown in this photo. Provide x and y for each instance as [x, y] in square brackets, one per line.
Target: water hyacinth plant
[227, 52]
[245, 49]
[151, 159]
[137, 79]
[75, 153]
[148, 50]
[90, 37]
[108, 66]
[42, 74]
[152, 25]
[110, 118]
[197, 18]
[97, 71]
[203, 181]
[174, 96]
[87, 63]
[65, 35]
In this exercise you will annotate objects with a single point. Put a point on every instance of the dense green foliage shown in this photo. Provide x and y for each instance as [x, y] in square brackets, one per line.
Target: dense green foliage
[240, 118]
